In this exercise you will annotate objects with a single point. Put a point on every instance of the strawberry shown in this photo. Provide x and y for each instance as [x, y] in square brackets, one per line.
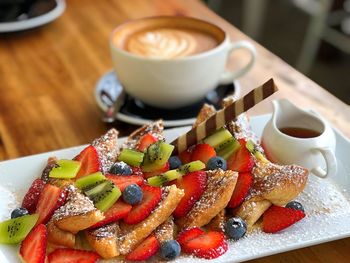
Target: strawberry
[33, 247]
[189, 234]
[243, 185]
[145, 250]
[90, 162]
[136, 170]
[194, 185]
[277, 218]
[69, 255]
[209, 245]
[145, 141]
[51, 198]
[185, 156]
[31, 198]
[157, 172]
[242, 160]
[123, 181]
[117, 211]
[150, 199]
[202, 152]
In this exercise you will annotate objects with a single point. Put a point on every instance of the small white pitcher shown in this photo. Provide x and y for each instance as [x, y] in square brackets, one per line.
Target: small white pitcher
[316, 154]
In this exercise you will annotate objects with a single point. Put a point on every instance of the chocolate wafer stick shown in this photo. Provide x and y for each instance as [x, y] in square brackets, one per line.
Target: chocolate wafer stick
[227, 114]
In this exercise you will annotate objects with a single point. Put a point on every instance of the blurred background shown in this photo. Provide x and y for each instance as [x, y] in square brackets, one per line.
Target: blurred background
[311, 35]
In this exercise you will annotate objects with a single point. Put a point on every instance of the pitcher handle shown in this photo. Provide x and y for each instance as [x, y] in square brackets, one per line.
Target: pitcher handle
[331, 163]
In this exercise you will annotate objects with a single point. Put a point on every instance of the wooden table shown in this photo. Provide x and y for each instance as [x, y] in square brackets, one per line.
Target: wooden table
[47, 79]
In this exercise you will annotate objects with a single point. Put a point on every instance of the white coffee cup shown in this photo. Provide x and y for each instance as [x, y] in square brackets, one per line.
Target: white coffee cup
[172, 82]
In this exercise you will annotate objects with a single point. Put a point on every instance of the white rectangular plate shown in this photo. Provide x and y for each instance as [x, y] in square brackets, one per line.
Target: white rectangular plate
[326, 201]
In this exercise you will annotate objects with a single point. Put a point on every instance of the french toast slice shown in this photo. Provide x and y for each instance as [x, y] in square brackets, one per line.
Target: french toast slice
[205, 113]
[165, 231]
[59, 237]
[218, 222]
[104, 240]
[137, 233]
[51, 162]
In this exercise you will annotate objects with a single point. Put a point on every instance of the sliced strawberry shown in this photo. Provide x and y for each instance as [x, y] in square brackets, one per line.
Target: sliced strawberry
[33, 247]
[157, 172]
[185, 156]
[189, 234]
[123, 181]
[194, 185]
[202, 152]
[90, 163]
[117, 211]
[242, 160]
[31, 198]
[151, 197]
[277, 218]
[145, 250]
[145, 141]
[136, 170]
[243, 185]
[68, 255]
[51, 198]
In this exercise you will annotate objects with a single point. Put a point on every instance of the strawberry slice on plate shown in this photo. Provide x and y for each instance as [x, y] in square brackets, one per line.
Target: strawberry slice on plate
[202, 152]
[68, 255]
[31, 198]
[242, 160]
[123, 181]
[164, 169]
[277, 218]
[145, 250]
[194, 185]
[243, 185]
[145, 141]
[185, 156]
[189, 234]
[90, 162]
[33, 247]
[151, 197]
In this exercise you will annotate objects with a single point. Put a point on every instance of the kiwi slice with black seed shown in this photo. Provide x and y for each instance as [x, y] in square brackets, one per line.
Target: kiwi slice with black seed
[191, 167]
[87, 182]
[156, 156]
[131, 157]
[228, 148]
[65, 169]
[104, 195]
[168, 176]
[218, 138]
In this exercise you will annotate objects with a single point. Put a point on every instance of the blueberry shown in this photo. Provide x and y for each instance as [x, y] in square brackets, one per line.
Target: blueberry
[174, 162]
[295, 205]
[235, 228]
[18, 212]
[216, 163]
[132, 194]
[120, 168]
[170, 249]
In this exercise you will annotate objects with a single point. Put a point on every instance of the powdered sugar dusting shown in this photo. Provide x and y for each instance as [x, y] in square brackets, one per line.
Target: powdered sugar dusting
[8, 202]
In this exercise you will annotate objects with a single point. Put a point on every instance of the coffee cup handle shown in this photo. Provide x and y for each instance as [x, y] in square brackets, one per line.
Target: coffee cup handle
[331, 163]
[228, 77]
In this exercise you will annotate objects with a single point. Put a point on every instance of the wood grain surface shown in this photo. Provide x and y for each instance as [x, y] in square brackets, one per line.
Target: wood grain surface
[47, 79]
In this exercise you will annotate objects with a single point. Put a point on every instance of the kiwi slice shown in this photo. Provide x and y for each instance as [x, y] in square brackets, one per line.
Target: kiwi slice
[164, 178]
[228, 148]
[218, 138]
[191, 167]
[156, 156]
[65, 169]
[250, 145]
[131, 157]
[96, 188]
[104, 195]
[13, 231]
[89, 181]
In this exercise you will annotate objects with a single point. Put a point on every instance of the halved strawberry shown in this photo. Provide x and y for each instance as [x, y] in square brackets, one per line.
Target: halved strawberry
[33, 247]
[242, 160]
[145, 141]
[209, 245]
[90, 162]
[123, 181]
[243, 185]
[277, 218]
[185, 156]
[194, 185]
[117, 211]
[51, 198]
[68, 255]
[157, 172]
[145, 250]
[31, 198]
[151, 197]
[189, 234]
[202, 152]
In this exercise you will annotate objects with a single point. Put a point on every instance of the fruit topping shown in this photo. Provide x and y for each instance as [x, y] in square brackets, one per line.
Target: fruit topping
[193, 185]
[191, 167]
[164, 178]
[174, 162]
[228, 148]
[31, 198]
[185, 156]
[157, 172]
[68, 255]
[202, 152]
[243, 185]
[144, 250]
[131, 157]
[189, 234]
[156, 156]
[295, 205]
[90, 162]
[120, 168]
[18, 212]
[123, 181]
[235, 228]
[151, 198]
[170, 249]
[89, 181]
[33, 247]
[277, 218]
[145, 141]
[242, 161]
[216, 162]
[218, 138]
[65, 169]
[13, 231]
[132, 194]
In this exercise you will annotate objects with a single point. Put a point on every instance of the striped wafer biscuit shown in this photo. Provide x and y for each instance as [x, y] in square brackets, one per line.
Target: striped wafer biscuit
[227, 114]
